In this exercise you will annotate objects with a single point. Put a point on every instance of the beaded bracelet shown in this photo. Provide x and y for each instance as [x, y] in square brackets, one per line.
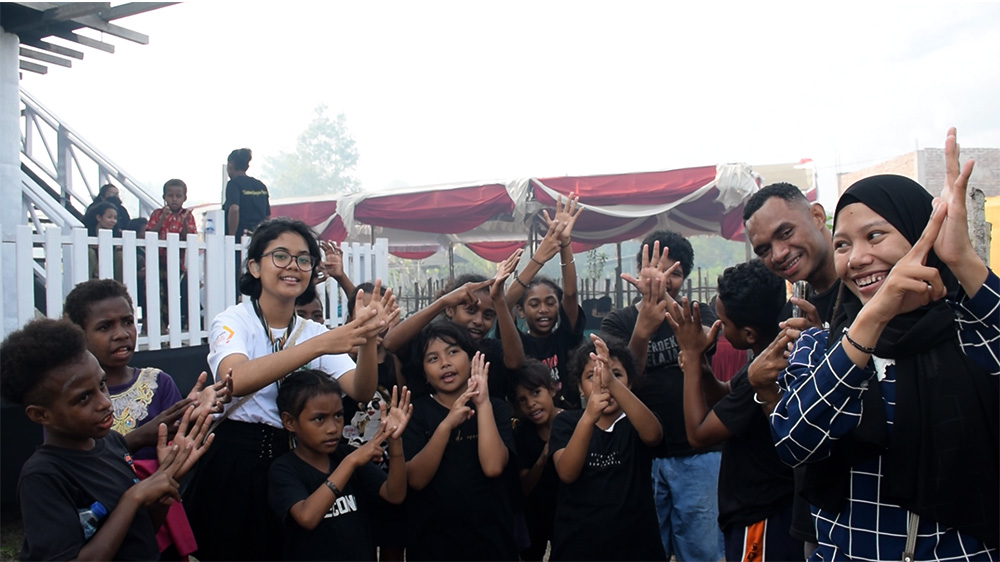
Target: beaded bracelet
[858, 346]
[519, 282]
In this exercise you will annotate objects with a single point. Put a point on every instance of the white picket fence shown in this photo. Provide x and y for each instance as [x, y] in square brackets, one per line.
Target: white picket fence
[63, 261]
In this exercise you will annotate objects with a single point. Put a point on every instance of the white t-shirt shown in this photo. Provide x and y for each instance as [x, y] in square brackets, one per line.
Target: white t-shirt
[238, 330]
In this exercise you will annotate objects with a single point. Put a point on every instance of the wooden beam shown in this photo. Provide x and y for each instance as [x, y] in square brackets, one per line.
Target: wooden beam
[32, 67]
[97, 23]
[86, 41]
[52, 48]
[45, 57]
[66, 12]
[132, 8]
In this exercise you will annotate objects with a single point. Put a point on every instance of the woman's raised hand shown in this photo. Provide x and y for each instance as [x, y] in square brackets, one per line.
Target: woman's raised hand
[953, 245]
[910, 283]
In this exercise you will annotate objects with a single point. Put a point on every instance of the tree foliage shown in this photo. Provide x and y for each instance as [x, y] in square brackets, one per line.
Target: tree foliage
[322, 164]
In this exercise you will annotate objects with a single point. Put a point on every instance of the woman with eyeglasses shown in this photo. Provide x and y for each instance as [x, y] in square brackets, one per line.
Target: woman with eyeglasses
[259, 342]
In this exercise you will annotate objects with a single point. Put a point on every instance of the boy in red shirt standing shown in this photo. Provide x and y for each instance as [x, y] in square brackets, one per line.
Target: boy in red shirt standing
[173, 217]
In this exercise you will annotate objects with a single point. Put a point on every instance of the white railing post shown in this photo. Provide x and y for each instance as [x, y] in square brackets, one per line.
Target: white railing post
[174, 288]
[80, 248]
[25, 274]
[381, 259]
[105, 254]
[216, 262]
[153, 319]
[130, 265]
[192, 258]
[232, 274]
[53, 272]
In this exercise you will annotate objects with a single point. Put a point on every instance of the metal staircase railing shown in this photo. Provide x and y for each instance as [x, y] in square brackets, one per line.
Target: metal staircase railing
[70, 167]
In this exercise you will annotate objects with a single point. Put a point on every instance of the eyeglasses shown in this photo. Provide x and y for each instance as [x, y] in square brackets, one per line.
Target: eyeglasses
[281, 259]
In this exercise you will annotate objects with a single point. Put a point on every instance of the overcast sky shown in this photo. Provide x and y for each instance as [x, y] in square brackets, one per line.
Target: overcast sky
[439, 92]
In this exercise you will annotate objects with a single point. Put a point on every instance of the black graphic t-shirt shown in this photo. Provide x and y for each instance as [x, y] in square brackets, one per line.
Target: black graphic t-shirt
[553, 351]
[461, 514]
[345, 533]
[661, 387]
[608, 512]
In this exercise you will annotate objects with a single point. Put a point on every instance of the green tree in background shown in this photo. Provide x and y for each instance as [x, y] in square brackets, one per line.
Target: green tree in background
[323, 162]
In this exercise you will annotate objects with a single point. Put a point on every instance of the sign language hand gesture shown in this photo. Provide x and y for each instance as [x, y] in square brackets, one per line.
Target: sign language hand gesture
[332, 265]
[479, 379]
[460, 409]
[567, 211]
[685, 319]
[504, 271]
[952, 244]
[653, 284]
[398, 413]
[910, 283]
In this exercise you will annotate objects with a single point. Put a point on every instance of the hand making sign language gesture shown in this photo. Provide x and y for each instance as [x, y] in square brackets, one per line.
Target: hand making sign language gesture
[655, 283]
[910, 283]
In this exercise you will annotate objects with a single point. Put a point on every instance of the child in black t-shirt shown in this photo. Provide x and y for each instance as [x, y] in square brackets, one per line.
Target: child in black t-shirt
[475, 303]
[46, 368]
[457, 448]
[534, 400]
[553, 315]
[324, 492]
[603, 457]
[755, 487]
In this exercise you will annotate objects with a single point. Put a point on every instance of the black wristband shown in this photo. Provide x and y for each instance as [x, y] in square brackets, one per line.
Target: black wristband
[333, 488]
[858, 346]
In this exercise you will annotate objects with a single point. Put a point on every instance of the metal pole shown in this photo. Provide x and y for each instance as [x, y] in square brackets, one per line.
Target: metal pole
[618, 277]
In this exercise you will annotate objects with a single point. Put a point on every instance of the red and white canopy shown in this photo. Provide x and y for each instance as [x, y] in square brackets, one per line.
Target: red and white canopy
[493, 218]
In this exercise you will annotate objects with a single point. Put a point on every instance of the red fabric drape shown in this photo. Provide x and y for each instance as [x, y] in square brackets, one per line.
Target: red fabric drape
[314, 213]
[495, 251]
[413, 254]
[649, 188]
[447, 211]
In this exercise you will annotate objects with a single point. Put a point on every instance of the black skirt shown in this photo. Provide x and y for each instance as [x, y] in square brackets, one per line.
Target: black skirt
[226, 499]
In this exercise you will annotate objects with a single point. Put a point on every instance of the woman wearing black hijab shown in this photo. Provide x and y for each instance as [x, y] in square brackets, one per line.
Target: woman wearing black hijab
[895, 408]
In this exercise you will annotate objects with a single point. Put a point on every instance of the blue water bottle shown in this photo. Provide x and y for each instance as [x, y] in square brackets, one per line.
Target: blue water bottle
[91, 518]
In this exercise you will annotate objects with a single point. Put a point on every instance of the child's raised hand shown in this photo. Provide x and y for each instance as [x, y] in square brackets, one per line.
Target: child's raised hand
[146, 433]
[192, 436]
[504, 270]
[465, 294]
[332, 265]
[158, 487]
[460, 410]
[567, 211]
[374, 449]
[654, 304]
[764, 369]
[213, 397]
[379, 311]
[398, 414]
[479, 379]
[600, 397]
[549, 246]
[685, 319]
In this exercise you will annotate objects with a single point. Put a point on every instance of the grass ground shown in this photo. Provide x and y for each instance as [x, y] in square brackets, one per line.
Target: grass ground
[11, 535]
